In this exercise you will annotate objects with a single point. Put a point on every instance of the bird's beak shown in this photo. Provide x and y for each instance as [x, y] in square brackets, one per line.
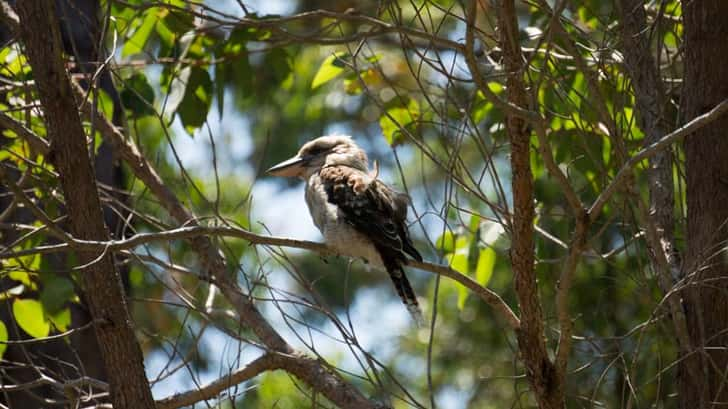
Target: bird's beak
[290, 168]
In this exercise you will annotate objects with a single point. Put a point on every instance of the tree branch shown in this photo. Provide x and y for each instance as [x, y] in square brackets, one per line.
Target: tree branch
[546, 385]
[652, 149]
[264, 363]
[38, 144]
[192, 232]
[302, 367]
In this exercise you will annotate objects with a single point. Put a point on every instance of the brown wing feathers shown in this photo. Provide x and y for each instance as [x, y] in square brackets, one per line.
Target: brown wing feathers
[380, 214]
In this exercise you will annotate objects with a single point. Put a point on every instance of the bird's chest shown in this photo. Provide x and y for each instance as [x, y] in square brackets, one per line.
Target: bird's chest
[339, 234]
[322, 212]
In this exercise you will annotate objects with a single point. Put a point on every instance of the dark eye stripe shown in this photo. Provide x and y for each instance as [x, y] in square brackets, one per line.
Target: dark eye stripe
[316, 150]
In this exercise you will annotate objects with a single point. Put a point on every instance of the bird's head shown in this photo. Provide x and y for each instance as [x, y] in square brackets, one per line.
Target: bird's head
[323, 151]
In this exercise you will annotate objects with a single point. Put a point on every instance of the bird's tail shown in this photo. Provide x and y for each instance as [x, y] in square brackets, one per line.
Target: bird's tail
[407, 294]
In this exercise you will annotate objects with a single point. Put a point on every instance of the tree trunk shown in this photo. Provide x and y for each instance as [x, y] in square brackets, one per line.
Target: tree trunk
[706, 163]
[119, 349]
[80, 31]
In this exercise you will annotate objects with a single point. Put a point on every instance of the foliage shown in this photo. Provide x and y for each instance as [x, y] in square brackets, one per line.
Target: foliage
[198, 84]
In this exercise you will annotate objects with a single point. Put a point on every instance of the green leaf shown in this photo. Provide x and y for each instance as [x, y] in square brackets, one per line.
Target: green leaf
[220, 79]
[484, 269]
[330, 68]
[21, 276]
[62, 319]
[29, 315]
[396, 119]
[57, 290]
[135, 44]
[3, 338]
[459, 262]
[138, 96]
[172, 24]
[104, 103]
[197, 100]
[446, 242]
[474, 223]
[277, 65]
[21, 268]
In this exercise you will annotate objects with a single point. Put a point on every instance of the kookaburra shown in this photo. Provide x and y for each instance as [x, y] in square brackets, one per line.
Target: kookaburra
[358, 215]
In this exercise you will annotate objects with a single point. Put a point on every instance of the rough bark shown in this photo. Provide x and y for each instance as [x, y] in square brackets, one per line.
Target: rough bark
[652, 109]
[80, 32]
[547, 387]
[651, 105]
[706, 166]
[119, 348]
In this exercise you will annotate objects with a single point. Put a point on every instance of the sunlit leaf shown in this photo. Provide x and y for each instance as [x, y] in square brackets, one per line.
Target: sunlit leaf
[22, 269]
[446, 242]
[62, 319]
[3, 338]
[135, 44]
[104, 103]
[172, 24]
[30, 317]
[474, 223]
[484, 269]
[395, 119]
[491, 232]
[330, 68]
[459, 262]
[21, 276]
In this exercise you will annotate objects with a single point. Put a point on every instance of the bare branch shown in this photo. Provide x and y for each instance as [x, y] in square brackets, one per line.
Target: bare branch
[544, 148]
[264, 363]
[576, 248]
[39, 144]
[192, 232]
[648, 151]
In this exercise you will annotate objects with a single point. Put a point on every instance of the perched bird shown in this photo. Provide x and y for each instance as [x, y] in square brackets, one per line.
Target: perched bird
[358, 215]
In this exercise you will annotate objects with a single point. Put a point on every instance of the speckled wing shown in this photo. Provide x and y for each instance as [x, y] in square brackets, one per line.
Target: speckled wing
[380, 214]
[372, 208]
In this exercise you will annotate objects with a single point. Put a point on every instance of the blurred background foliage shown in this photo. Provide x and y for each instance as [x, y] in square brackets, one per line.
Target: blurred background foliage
[215, 93]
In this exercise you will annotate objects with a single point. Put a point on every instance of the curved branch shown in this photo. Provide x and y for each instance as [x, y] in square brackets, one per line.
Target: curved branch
[214, 388]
